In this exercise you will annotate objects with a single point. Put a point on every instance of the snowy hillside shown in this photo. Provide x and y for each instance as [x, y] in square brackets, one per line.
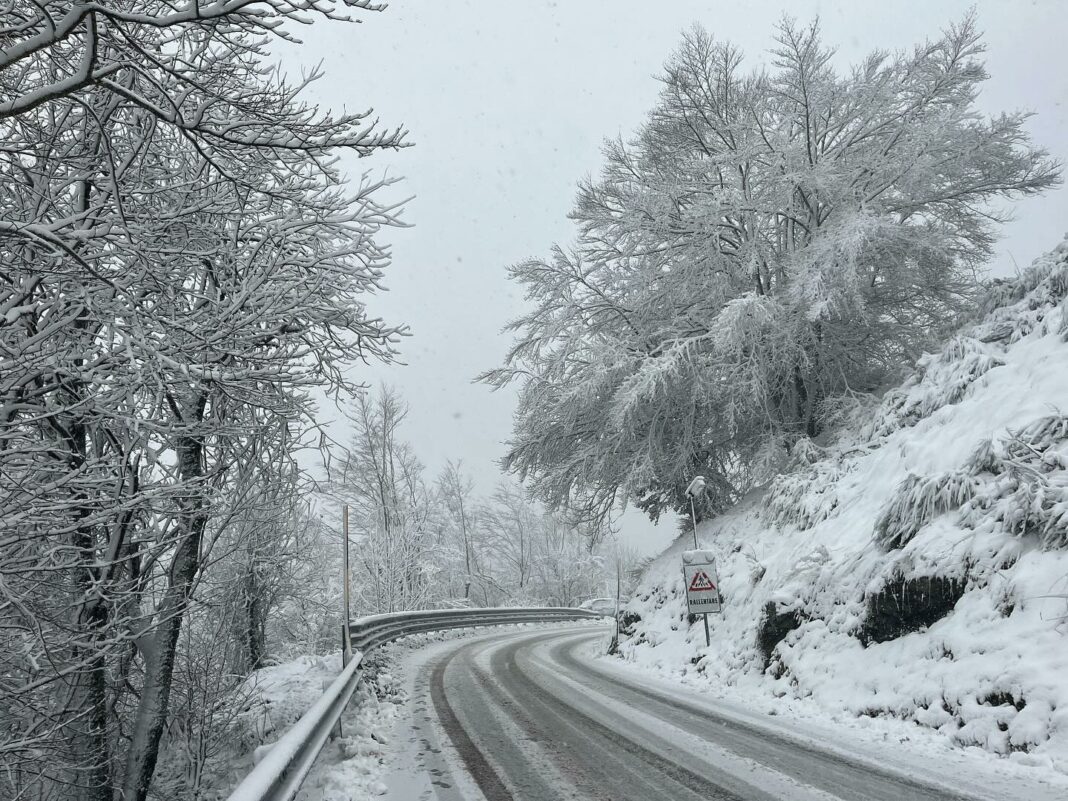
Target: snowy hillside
[917, 568]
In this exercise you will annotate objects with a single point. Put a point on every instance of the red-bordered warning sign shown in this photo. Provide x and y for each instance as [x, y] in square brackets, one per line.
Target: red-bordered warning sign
[701, 582]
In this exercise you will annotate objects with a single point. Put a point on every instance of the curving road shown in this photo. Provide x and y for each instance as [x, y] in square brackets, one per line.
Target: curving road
[527, 716]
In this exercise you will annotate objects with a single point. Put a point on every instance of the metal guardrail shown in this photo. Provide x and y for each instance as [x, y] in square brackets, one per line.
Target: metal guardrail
[279, 774]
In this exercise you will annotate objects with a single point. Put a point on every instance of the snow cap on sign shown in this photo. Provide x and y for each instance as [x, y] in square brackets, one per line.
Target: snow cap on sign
[698, 557]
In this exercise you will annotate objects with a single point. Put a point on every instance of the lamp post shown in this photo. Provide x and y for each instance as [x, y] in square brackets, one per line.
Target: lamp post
[694, 488]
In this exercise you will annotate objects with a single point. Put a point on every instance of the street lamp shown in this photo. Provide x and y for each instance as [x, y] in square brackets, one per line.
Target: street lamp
[695, 488]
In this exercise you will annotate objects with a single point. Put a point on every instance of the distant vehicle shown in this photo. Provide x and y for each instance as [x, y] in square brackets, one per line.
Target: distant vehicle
[602, 606]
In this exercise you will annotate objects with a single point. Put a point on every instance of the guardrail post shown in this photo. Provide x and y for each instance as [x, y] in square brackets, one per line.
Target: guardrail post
[346, 657]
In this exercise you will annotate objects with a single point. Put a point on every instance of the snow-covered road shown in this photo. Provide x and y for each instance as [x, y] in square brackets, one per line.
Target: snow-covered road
[530, 715]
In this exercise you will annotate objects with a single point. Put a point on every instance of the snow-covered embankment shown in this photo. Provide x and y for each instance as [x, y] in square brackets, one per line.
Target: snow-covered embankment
[915, 569]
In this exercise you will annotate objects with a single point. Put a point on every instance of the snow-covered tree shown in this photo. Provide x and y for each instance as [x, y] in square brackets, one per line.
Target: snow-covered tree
[536, 556]
[391, 510]
[464, 548]
[181, 262]
[768, 242]
[565, 570]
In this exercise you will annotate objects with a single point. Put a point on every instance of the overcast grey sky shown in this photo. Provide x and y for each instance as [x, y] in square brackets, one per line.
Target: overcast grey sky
[508, 101]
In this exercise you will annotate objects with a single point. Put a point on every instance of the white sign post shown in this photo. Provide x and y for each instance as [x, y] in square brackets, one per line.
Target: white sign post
[702, 585]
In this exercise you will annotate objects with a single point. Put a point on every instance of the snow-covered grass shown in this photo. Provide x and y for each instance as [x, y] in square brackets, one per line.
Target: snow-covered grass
[946, 503]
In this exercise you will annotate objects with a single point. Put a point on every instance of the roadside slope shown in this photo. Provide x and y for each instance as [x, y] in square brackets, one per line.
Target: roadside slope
[916, 568]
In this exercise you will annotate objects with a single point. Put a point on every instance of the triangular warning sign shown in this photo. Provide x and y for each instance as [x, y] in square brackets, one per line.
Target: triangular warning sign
[701, 581]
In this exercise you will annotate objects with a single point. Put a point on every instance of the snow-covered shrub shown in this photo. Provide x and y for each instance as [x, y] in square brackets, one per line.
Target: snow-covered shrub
[1009, 311]
[1046, 280]
[803, 499]
[984, 459]
[805, 452]
[1026, 489]
[1058, 280]
[1019, 485]
[207, 710]
[770, 459]
[1012, 309]
[627, 621]
[806, 495]
[848, 412]
[1001, 292]
[1039, 436]
[940, 380]
[920, 499]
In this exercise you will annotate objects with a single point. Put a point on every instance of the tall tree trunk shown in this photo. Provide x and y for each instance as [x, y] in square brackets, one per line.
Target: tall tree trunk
[87, 730]
[87, 712]
[161, 646]
[255, 638]
[815, 391]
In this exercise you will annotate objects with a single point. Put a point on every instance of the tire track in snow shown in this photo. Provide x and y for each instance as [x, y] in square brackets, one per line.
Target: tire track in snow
[592, 762]
[624, 767]
[530, 719]
[474, 760]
